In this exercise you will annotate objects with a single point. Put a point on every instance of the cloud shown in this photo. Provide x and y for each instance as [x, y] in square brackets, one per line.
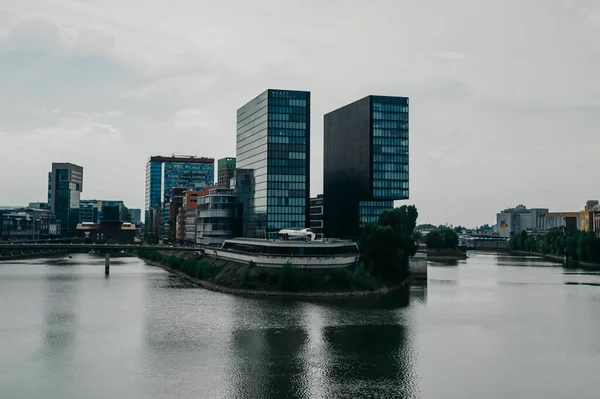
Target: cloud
[593, 16]
[450, 55]
[192, 118]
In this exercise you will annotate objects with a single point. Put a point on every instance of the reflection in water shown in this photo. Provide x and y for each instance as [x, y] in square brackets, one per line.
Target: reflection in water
[369, 358]
[267, 362]
[474, 331]
[60, 321]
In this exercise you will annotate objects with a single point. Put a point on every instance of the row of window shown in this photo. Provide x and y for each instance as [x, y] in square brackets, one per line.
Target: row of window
[287, 186]
[390, 184]
[390, 167]
[390, 107]
[287, 102]
[274, 217]
[286, 193]
[390, 149]
[390, 193]
[287, 110]
[389, 158]
[400, 133]
[287, 147]
[288, 125]
[283, 225]
[286, 162]
[288, 117]
[390, 141]
[293, 178]
[287, 140]
[287, 209]
[377, 124]
[287, 132]
[390, 116]
[390, 175]
[288, 170]
[285, 153]
[286, 201]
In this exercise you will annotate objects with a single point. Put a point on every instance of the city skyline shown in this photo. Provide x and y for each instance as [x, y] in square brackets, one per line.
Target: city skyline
[487, 125]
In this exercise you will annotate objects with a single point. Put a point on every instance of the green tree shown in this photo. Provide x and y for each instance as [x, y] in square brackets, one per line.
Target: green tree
[386, 245]
[443, 237]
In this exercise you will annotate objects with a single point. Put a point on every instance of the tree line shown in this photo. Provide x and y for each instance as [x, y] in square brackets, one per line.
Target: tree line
[576, 245]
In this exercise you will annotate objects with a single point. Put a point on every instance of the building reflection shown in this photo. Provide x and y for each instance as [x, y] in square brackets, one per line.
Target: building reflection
[369, 360]
[266, 362]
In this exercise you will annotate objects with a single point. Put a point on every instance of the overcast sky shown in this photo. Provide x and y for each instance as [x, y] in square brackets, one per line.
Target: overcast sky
[505, 94]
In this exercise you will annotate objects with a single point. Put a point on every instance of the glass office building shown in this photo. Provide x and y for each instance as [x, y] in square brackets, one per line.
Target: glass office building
[66, 185]
[225, 171]
[165, 173]
[273, 162]
[365, 162]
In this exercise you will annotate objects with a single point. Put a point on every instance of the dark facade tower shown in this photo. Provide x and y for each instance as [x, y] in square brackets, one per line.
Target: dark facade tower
[273, 162]
[65, 193]
[225, 171]
[365, 162]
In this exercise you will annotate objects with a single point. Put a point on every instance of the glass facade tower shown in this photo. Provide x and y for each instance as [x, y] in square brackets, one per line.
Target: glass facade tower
[273, 162]
[66, 185]
[365, 162]
[165, 173]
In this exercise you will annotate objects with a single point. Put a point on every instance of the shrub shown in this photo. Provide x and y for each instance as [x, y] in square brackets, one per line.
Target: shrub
[287, 279]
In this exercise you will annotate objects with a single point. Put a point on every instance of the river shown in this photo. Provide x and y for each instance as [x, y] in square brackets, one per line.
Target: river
[493, 326]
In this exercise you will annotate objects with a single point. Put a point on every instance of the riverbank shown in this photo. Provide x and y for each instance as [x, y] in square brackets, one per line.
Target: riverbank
[239, 279]
[558, 258]
[445, 254]
[30, 254]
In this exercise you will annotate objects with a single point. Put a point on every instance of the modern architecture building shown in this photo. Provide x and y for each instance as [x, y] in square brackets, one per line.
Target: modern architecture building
[39, 205]
[66, 187]
[225, 171]
[165, 173]
[28, 224]
[135, 216]
[273, 162]
[90, 211]
[216, 214]
[365, 162]
[316, 215]
[597, 221]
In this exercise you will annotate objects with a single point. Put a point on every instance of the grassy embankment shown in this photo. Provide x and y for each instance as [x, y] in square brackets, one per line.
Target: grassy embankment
[250, 277]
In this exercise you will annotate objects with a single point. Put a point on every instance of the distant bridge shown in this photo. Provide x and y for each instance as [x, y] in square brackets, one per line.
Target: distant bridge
[23, 246]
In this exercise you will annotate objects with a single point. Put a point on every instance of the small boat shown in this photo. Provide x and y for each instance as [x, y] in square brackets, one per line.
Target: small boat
[70, 256]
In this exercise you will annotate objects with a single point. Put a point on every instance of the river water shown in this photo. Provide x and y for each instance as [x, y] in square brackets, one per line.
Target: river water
[493, 326]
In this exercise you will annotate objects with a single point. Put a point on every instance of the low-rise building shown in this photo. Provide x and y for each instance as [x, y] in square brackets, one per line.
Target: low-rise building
[216, 216]
[317, 215]
[514, 220]
[29, 224]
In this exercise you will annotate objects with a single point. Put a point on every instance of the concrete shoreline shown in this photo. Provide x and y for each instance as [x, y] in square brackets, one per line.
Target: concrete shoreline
[558, 258]
[290, 294]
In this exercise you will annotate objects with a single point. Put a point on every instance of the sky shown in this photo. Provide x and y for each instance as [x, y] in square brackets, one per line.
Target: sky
[504, 94]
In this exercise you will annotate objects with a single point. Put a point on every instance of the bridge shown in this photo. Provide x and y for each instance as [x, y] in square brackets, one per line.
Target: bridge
[12, 249]
[20, 246]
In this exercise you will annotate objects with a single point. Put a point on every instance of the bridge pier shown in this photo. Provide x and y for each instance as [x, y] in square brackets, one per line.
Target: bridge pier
[107, 263]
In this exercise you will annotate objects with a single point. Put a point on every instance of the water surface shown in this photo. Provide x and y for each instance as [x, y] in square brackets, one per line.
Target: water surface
[492, 326]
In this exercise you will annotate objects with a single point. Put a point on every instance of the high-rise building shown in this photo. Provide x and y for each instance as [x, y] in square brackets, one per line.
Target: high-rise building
[365, 162]
[165, 173]
[66, 187]
[273, 162]
[225, 171]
